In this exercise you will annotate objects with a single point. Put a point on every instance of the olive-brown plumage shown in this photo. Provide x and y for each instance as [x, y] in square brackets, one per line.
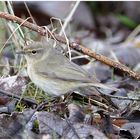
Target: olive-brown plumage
[53, 72]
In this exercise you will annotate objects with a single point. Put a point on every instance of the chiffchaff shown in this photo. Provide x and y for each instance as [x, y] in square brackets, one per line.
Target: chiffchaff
[54, 73]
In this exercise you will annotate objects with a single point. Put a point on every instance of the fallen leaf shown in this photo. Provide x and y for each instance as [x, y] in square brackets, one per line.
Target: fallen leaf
[14, 84]
[132, 128]
[13, 126]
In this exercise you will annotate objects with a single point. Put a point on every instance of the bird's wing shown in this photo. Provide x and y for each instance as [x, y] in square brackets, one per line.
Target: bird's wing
[58, 66]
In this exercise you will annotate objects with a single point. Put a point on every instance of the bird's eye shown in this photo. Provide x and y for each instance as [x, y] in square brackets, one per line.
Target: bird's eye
[33, 51]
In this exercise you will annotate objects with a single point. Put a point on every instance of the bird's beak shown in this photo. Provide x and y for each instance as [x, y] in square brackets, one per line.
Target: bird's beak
[20, 52]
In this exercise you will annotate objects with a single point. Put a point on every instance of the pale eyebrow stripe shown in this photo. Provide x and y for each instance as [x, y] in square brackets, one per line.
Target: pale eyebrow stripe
[34, 49]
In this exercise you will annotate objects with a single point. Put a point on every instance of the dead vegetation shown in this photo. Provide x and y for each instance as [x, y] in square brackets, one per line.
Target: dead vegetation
[107, 47]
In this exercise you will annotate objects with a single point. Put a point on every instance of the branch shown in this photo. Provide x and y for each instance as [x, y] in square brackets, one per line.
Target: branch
[27, 24]
[18, 97]
[73, 45]
[122, 97]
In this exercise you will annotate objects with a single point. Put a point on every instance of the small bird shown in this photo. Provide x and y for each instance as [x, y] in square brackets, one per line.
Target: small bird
[54, 73]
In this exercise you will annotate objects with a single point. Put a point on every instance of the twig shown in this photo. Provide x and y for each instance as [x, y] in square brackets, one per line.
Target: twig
[118, 97]
[133, 34]
[69, 17]
[18, 97]
[122, 98]
[106, 60]
[11, 35]
[73, 45]
[28, 10]
[41, 105]
[27, 24]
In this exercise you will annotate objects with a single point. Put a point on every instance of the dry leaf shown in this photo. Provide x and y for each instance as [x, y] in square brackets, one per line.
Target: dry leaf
[13, 126]
[133, 129]
[14, 84]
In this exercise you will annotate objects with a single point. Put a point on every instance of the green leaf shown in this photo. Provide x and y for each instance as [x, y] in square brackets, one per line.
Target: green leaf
[127, 21]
